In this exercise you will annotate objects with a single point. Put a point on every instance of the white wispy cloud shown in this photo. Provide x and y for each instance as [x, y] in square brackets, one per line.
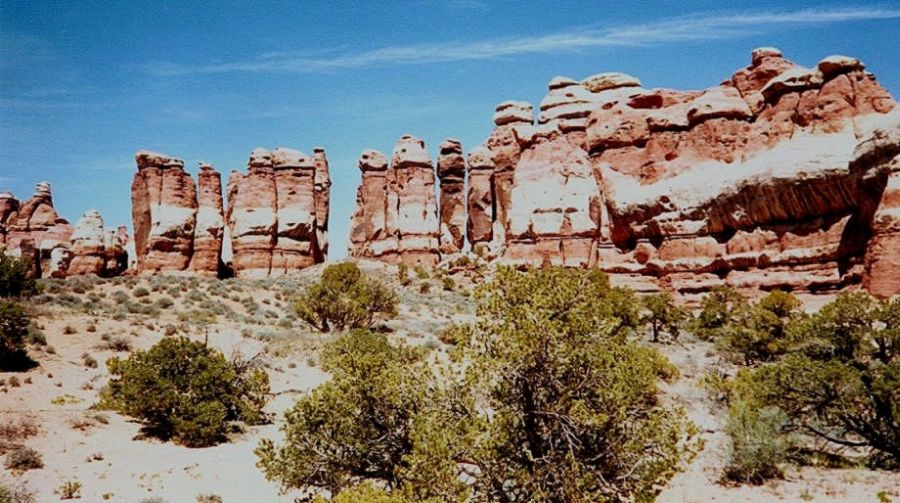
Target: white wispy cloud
[700, 27]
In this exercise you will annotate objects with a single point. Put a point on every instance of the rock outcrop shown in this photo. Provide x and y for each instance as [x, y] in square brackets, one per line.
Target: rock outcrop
[89, 246]
[164, 213]
[272, 212]
[881, 152]
[206, 258]
[373, 230]
[323, 195]
[396, 218]
[35, 231]
[779, 177]
[451, 168]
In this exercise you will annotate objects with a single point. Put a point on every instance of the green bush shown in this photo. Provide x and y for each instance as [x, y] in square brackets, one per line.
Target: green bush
[839, 382]
[184, 390]
[14, 280]
[345, 298]
[663, 315]
[14, 328]
[545, 399]
[759, 442]
[759, 332]
[717, 312]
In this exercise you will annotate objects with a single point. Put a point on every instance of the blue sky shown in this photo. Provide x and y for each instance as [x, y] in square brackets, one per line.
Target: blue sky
[83, 85]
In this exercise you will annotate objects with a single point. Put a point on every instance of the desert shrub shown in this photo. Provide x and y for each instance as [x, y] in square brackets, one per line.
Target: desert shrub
[759, 332]
[345, 298]
[839, 382]
[14, 280]
[365, 492]
[23, 458]
[186, 391]
[69, 490]
[357, 424]
[117, 343]
[69, 330]
[209, 498]
[546, 399]
[425, 287]
[717, 312]
[121, 297]
[14, 327]
[759, 442]
[662, 314]
[403, 275]
[164, 303]
[88, 360]
[17, 494]
[140, 292]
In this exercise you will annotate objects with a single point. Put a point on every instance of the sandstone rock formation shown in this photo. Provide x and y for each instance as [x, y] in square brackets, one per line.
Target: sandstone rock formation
[164, 213]
[779, 177]
[373, 230]
[881, 151]
[480, 199]
[396, 217]
[322, 194]
[413, 186]
[88, 246]
[35, 231]
[451, 168]
[206, 257]
[272, 212]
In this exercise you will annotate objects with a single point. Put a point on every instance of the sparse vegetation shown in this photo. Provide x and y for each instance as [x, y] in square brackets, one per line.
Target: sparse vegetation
[14, 280]
[14, 328]
[662, 314]
[23, 458]
[184, 390]
[345, 298]
[574, 411]
[69, 490]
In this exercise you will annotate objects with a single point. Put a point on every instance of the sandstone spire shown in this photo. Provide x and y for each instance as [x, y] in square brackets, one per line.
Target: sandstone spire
[451, 169]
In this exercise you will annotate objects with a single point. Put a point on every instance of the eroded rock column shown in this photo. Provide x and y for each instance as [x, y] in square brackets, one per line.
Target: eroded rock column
[207, 257]
[252, 203]
[322, 195]
[164, 213]
[451, 169]
[413, 186]
[295, 242]
[373, 229]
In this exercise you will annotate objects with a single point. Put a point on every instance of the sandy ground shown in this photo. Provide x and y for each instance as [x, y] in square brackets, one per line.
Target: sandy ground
[114, 463]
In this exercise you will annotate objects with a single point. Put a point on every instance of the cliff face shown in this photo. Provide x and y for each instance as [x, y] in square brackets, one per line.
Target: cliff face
[779, 177]
[34, 230]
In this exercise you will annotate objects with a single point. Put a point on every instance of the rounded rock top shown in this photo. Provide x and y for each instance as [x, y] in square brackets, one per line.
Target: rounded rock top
[609, 80]
[150, 159]
[764, 52]
[560, 82]
[480, 157]
[290, 158]
[372, 160]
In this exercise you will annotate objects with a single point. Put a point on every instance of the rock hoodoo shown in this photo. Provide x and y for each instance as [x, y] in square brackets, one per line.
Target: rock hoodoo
[35, 231]
[210, 228]
[272, 212]
[779, 177]
[451, 168]
[396, 219]
[164, 213]
[323, 194]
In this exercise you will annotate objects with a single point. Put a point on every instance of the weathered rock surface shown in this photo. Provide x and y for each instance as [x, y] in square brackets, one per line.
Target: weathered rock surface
[881, 151]
[272, 212]
[373, 230]
[480, 199]
[88, 246]
[164, 213]
[33, 230]
[451, 169]
[779, 177]
[207, 250]
[322, 194]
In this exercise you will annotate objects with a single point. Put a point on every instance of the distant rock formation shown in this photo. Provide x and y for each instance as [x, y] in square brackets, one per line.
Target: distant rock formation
[407, 229]
[451, 169]
[96, 250]
[206, 258]
[33, 230]
[752, 183]
[164, 212]
[322, 195]
[273, 212]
